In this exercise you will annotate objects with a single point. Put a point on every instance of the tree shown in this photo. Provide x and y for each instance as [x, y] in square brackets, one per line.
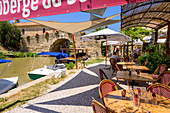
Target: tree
[10, 35]
[136, 32]
[101, 28]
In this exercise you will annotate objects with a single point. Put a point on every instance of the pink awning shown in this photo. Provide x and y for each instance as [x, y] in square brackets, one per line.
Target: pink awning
[19, 9]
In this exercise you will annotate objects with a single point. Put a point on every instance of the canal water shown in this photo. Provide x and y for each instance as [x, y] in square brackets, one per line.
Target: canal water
[20, 66]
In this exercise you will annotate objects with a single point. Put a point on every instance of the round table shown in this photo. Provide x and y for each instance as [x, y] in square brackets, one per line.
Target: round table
[114, 102]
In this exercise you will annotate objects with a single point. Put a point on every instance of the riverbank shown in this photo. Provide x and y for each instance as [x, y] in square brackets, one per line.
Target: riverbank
[33, 89]
[28, 91]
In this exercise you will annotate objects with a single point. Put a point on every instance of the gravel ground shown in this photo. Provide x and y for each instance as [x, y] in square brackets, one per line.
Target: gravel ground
[73, 95]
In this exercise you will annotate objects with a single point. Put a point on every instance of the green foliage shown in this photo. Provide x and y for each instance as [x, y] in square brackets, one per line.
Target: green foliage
[29, 54]
[3, 99]
[136, 32]
[2, 56]
[101, 28]
[70, 65]
[22, 54]
[103, 49]
[10, 35]
[155, 58]
[19, 54]
[62, 76]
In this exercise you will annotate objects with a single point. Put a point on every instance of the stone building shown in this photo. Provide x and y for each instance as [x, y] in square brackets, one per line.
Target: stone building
[39, 38]
[51, 42]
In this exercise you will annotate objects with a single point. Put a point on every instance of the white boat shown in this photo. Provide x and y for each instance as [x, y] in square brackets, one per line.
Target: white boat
[7, 83]
[56, 69]
[46, 70]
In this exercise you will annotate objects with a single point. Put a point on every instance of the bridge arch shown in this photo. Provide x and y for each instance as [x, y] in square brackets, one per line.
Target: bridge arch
[59, 44]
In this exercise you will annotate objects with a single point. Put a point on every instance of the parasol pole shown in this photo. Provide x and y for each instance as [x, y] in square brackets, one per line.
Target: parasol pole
[123, 50]
[74, 51]
[106, 54]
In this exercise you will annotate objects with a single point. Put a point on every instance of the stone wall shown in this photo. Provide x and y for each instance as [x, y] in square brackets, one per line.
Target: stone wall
[92, 46]
[40, 44]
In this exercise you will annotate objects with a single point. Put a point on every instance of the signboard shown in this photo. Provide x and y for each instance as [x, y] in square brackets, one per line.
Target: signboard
[19, 9]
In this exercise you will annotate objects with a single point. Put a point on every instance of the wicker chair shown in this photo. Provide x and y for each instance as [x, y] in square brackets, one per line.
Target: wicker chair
[105, 87]
[113, 65]
[102, 74]
[164, 77]
[161, 69]
[160, 89]
[98, 107]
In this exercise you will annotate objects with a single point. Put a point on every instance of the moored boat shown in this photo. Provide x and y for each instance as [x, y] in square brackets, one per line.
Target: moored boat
[7, 83]
[56, 69]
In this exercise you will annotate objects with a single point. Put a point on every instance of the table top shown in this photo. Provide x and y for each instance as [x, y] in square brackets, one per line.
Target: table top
[134, 76]
[125, 63]
[114, 102]
[135, 67]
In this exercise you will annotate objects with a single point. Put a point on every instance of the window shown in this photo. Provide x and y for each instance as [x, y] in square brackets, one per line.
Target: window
[43, 30]
[23, 32]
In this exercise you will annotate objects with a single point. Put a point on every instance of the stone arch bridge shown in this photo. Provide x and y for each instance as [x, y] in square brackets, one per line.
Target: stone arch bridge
[44, 43]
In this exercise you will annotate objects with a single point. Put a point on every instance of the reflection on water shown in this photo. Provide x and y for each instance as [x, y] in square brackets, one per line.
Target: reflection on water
[20, 66]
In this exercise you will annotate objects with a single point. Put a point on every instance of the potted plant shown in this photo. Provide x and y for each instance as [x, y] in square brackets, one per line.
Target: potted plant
[28, 39]
[37, 37]
[57, 33]
[83, 33]
[46, 35]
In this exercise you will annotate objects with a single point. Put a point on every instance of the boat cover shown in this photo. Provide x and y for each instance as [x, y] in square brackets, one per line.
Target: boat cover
[58, 55]
[4, 61]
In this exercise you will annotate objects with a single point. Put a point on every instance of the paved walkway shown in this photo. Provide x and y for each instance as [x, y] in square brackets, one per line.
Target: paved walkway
[73, 95]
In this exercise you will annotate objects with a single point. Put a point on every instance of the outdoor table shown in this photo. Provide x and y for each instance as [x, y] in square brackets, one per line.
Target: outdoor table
[134, 76]
[135, 67]
[113, 101]
[125, 63]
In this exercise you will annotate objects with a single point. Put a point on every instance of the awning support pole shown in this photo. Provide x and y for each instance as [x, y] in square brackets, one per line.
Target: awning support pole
[74, 51]
[127, 50]
[168, 37]
[123, 51]
[106, 53]
[156, 37]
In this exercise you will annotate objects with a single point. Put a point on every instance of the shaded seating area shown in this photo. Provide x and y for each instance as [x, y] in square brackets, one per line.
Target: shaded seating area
[113, 99]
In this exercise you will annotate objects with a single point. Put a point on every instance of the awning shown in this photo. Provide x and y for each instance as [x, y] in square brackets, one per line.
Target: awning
[153, 14]
[96, 11]
[58, 55]
[20, 9]
[105, 34]
[78, 26]
[4, 61]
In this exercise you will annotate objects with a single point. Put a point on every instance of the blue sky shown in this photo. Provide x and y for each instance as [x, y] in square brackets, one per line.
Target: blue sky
[82, 16]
